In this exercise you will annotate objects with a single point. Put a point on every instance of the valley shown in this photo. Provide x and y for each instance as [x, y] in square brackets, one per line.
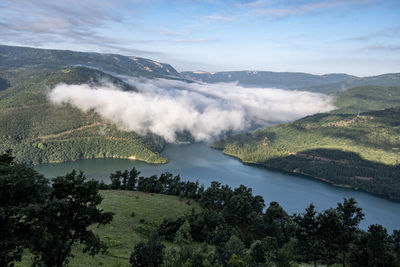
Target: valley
[241, 133]
[343, 147]
[198, 162]
[356, 145]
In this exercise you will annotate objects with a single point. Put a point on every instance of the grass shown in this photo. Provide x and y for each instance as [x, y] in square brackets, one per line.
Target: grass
[127, 229]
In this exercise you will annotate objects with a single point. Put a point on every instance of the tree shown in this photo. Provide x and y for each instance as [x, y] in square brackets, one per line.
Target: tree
[22, 190]
[65, 218]
[329, 232]
[133, 175]
[350, 218]
[285, 255]
[148, 254]
[276, 220]
[264, 251]
[169, 227]
[257, 252]
[236, 261]
[124, 177]
[395, 240]
[373, 249]
[234, 246]
[182, 236]
[307, 234]
[116, 179]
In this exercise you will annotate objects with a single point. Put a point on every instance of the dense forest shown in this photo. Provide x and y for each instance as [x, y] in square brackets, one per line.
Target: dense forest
[344, 148]
[366, 98]
[41, 132]
[234, 226]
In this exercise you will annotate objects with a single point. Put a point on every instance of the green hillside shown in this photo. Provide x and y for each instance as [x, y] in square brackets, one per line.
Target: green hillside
[39, 131]
[361, 152]
[126, 229]
[390, 79]
[367, 98]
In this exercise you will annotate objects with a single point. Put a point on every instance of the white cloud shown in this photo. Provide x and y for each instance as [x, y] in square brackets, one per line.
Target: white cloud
[166, 107]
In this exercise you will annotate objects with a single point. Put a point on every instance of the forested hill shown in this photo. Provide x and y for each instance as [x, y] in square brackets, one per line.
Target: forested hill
[25, 58]
[343, 147]
[367, 98]
[282, 80]
[39, 131]
[328, 83]
[390, 79]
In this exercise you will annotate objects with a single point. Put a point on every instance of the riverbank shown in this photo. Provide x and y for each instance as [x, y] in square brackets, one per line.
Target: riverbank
[297, 172]
[198, 162]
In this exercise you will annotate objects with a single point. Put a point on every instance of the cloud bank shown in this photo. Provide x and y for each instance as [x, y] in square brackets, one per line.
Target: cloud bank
[167, 107]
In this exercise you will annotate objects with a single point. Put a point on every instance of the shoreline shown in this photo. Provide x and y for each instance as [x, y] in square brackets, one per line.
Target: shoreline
[305, 175]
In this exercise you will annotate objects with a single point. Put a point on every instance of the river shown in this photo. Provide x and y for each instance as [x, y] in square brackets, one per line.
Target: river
[200, 162]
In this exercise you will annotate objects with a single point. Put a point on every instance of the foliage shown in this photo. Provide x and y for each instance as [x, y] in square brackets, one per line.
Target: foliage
[148, 254]
[361, 152]
[367, 98]
[373, 249]
[234, 221]
[66, 216]
[389, 79]
[350, 217]
[307, 235]
[39, 131]
[182, 236]
[46, 220]
[4, 84]
[253, 237]
[22, 190]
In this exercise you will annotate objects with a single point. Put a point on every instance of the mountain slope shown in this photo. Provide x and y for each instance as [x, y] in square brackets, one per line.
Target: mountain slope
[328, 83]
[390, 79]
[367, 98]
[25, 58]
[343, 149]
[282, 80]
[39, 131]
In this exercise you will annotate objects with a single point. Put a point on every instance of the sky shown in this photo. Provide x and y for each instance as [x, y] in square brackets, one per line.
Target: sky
[359, 37]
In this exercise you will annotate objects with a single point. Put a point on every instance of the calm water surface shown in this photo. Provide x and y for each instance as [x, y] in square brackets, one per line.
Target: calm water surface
[199, 162]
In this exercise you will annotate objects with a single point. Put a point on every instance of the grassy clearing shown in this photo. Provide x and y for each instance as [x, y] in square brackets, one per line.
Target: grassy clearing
[127, 229]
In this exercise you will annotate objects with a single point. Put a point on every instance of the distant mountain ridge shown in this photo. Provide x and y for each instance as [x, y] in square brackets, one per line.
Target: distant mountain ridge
[34, 60]
[389, 79]
[12, 57]
[327, 83]
[283, 80]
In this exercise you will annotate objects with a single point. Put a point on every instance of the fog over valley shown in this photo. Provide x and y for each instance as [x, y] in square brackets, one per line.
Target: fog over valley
[166, 107]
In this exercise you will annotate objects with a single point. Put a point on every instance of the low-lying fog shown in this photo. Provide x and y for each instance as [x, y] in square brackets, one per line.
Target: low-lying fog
[166, 107]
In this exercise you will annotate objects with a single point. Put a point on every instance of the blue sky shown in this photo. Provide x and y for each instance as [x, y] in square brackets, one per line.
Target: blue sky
[360, 37]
